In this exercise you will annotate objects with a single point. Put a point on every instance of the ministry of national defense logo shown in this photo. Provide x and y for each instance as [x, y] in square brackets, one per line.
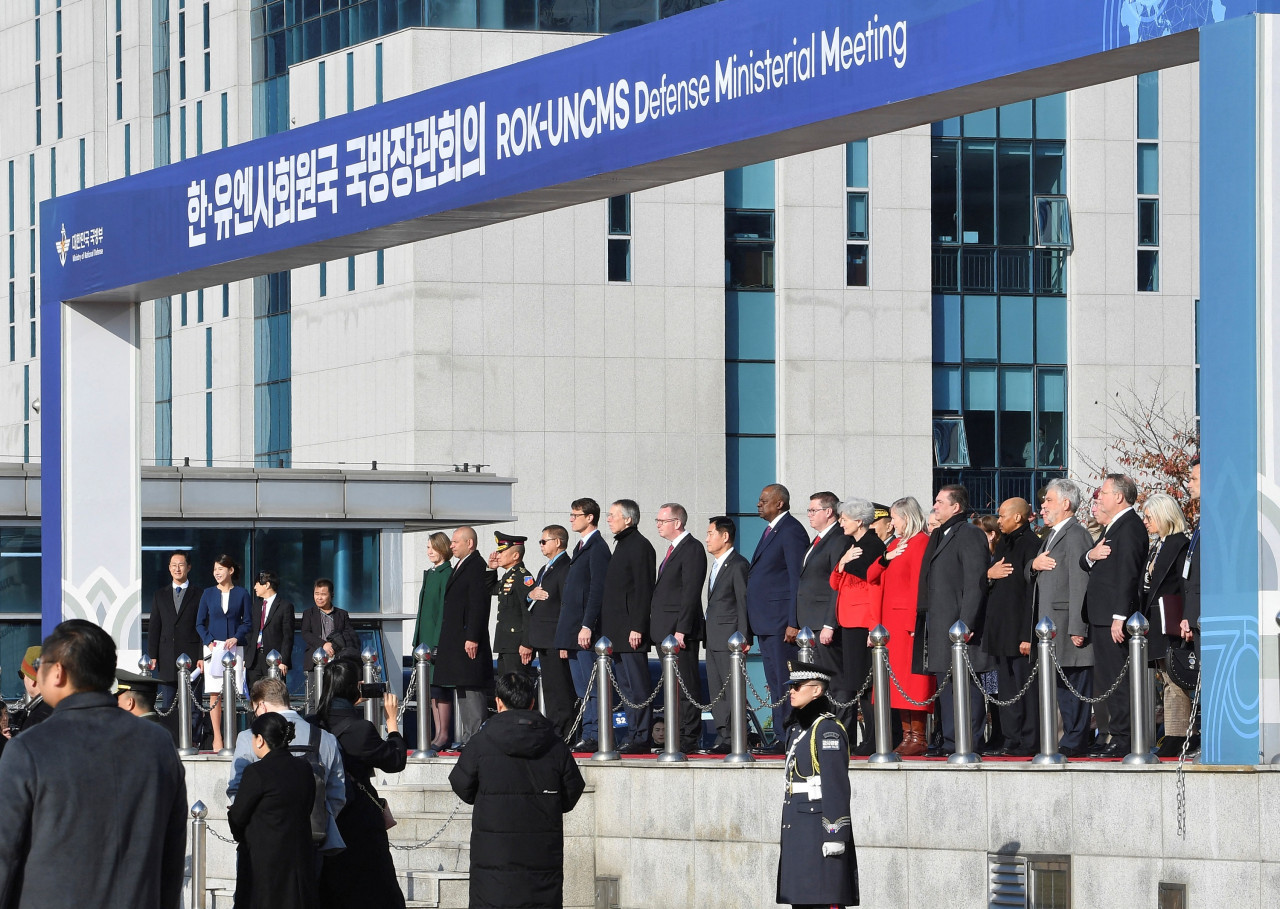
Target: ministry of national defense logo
[62, 246]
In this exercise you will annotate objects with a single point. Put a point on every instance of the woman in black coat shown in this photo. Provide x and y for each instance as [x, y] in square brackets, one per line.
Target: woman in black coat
[1162, 591]
[817, 865]
[362, 875]
[271, 821]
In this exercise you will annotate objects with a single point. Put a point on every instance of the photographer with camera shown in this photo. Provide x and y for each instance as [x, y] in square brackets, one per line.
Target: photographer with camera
[325, 626]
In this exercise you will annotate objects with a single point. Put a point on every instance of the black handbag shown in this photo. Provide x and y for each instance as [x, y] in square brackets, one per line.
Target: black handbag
[1183, 664]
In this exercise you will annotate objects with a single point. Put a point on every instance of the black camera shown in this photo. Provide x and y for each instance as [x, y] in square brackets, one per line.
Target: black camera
[373, 689]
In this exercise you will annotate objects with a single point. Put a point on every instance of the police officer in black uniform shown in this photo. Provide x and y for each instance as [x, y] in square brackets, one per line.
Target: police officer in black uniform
[816, 865]
[511, 582]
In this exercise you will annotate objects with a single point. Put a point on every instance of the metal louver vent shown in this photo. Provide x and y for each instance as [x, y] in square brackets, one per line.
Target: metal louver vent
[1006, 881]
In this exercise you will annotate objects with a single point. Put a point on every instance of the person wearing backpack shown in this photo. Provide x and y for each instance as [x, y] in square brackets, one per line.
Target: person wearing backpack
[272, 696]
[271, 823]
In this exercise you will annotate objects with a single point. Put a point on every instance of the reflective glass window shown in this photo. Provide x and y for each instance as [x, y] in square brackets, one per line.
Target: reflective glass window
[1016, 120]
[980, 328]
[1148, 269]
[1051, 117]
[1014, 163]
[1051, 398]
[1016, 406]
[1149, 105]
[750, 398]
[946, 328]
[980, 414]
[946, 389]
[1148, 222]
[855, 164]
[977, 188]
[980, 123]
[1148, 169]
[946, 213]
[1051, 329]
[1017, 330]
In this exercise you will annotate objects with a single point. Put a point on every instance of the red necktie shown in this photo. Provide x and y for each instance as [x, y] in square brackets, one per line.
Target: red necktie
[670, 549]
[815, 540]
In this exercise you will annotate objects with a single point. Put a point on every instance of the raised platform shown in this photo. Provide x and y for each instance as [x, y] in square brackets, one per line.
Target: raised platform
[705, 834]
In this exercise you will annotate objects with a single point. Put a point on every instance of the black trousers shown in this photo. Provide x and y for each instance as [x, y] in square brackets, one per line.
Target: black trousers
[690, 715]
[557, 689]
[511, 662]
[1020, 719]
[856, 664]
[1108, 662]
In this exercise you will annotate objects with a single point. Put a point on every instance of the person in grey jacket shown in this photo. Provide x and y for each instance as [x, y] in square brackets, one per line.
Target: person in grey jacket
[117, 776]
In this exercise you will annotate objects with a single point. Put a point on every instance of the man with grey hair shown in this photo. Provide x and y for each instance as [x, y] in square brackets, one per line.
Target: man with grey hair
[1058, 586]
[1115, 565]
[677, 611]
[464, 660]
[624, 618]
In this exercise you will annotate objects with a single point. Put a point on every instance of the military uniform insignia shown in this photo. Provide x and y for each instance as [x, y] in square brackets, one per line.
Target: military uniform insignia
[831, 741]
[528, 580]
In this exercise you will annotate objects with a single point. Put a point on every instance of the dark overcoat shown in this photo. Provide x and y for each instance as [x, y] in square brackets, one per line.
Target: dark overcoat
[953, 587]
[628, 591]
[271, 821]
[1115, 583]
[466, 618]
[431, 605]
[521, 778]
[1166, 583]
[1010, 610]
[817, 757]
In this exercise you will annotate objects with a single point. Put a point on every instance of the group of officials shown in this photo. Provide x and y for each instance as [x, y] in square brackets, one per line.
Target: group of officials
[999, 585]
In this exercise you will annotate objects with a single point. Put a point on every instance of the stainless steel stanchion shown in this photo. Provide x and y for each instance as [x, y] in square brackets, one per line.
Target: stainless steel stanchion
[144, 665]
[273, 664]
[604, 701]
[198, 865]
[804, 640]
[183, 665]
[964, 753]
[368, 657]
[739, 752]
[879, 638]
[671, 702]
[422, 667]
[1047, 691]
[542, 694]
[318, 659]
[1276, 759]
[228, 702]
[1140, 744]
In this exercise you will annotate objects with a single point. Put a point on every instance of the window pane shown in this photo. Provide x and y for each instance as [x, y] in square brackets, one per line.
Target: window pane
[750, 466]
[1051, 330]
[1014, 162]
[1017, 330]
[1148, 222]
[1148, 169]
[980, 388]
[977, 182]
[946, 389]
[749, 398]
[1052, 402]
[619, 260]
[948, 127]
[1051, 117]
[856, 265]
[17, 638]
[616, 15]
[945, 213]
[1053, 222]
[946, 328]
[1149, 106]
[980, 415]
[748, 187]
[19, 572]
[980, 328]
[1048, 180]
[451, 13]
[980, 123]
[855, 164]
[1148, 269]
[620, 214]
[1016, 406]
[513, 14]
[749, 225]
[1015, 121]
[749, 326]
[857, 216]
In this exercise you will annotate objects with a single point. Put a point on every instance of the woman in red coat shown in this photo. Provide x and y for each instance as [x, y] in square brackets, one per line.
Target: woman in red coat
[857, 608]
[898, 574]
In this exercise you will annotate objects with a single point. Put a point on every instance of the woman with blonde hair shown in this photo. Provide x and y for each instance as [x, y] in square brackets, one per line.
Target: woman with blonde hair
[427, 630]
[1162, 592]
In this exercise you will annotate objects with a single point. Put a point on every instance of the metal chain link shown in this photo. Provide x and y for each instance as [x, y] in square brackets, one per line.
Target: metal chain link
[172, 706]
[408, 694]
[622, 698]
[1181, 781]
[1053, 652]
[431, 839]
[927, 702]
[582, 707]
[857, 697]
[217, 835]
[694, 701]
[989, 699]
[761, 701]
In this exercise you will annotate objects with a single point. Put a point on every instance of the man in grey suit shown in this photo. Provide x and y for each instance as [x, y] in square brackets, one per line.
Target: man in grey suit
[1059, 586]
[118, 779]
[726, 613]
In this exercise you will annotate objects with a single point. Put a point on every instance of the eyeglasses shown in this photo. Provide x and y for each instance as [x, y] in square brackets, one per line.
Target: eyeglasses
[545, 542]
[577, 514]
[664, 520]
[816, 510]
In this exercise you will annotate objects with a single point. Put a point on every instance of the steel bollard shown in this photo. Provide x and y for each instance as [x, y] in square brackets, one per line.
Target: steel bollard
[228, 702]
[964, 754]
[273, 664]
[604, 702]
[198, 865]
[144, 665]
[318, 659]
[804, 640]
[879, 638]
[1140, 744]
[1047, 691]
[422, 667]
[671, 702]
[739, 752]
[368, 657]
[542, 694]
[183, 664]
[1276, 759]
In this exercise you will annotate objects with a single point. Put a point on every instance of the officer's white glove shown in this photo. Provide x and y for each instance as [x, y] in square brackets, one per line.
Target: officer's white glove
[829, 849]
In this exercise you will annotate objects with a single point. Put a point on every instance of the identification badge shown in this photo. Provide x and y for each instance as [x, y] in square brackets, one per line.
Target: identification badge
[1186, 568]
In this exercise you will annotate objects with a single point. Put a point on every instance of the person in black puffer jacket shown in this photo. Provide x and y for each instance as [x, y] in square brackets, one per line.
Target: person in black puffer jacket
[521, 778]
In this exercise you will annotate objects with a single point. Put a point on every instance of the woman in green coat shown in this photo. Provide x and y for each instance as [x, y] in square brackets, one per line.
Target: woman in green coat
[427, 630]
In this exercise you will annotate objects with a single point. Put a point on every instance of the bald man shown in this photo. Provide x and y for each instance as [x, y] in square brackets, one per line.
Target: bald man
[464, 660]
[1008, 630]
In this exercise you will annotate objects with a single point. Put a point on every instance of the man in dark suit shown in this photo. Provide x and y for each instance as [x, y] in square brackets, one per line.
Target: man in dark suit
[815, 597]
[118, 776]
[510, 582]
[272, 629]
[540, 627]
[771, 596]
[1007, 632]
[464, 661]
[1059, 586]
[624, 619]
[677, 610]
[327, 627]
[171, 628]
[579, 623]
[726, 614]
[953, 587]
[1115, 565]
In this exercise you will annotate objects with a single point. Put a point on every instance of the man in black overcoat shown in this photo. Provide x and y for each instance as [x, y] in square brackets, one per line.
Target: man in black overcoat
[677, 611]
[624, 620]
[171, 629]
[464, 660]
[540, 627]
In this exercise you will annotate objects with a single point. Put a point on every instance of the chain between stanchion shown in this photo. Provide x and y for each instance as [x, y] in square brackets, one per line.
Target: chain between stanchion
[857, 697]
[1181, 781]
[1066, 681]
[694, 701]
[217, 835]
[622, 698]
[408, 694]
[172, 707]
[927, 701]
[582, 707]
[195, 698]
[431, 839]
[989, 699]
[761, 701]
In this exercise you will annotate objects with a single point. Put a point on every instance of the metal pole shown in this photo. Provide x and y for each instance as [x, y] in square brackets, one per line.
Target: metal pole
[739, 752]
[542, 694]
[198, 893]
[144, 665]
[318, 659]
[183, 664]
[1276, 759]
[604, 701]
[671, 702]
[879, 638]
[273, 664]
[367, 656]
[1140, 744]
[422, 666]
[804, 640]
[1047, 691]
[228, 702]
[964, 753]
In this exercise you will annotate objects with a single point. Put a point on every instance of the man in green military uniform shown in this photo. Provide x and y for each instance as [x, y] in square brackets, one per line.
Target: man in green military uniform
[511, 582]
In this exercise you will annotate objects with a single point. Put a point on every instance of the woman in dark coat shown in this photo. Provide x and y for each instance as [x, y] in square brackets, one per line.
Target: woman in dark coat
[522, 778]
[362, 875]
[271, 821]
[427, 629]
[817, 865]
[1162, 590]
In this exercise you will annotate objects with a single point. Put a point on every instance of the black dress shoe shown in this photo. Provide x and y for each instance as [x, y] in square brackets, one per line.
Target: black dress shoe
[993, 751]
[584, 746]
[1069, 752]
[864, 749]
[1110, 750]
[1021, 752]
[768, 749]
[1170, 746]
[715, 749]
[636, 748]
[937, 753]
